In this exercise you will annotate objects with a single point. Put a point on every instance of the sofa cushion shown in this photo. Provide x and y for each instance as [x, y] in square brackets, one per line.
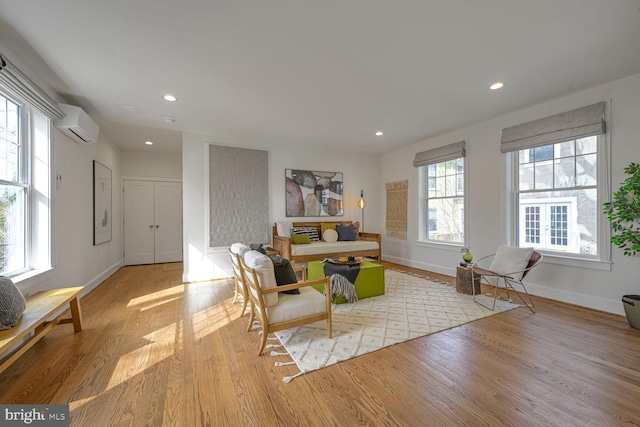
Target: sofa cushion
[300, 239]
[284, 228]
[330, 235]
[263, 266]
[324, 226]
[311, 231]
[346, 233]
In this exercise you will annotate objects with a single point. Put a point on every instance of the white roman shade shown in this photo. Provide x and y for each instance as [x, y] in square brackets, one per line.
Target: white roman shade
[440, 154]
[574, 124]
[24, 90]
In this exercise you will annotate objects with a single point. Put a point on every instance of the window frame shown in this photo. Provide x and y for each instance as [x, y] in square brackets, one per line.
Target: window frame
[36, 169]
[601, 261]
[423, 191]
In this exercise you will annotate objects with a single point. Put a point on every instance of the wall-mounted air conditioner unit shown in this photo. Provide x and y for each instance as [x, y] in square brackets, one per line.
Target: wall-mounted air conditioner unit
[77, 124]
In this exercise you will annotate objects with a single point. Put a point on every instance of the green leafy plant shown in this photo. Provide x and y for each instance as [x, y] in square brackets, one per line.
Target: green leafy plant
[623, 212]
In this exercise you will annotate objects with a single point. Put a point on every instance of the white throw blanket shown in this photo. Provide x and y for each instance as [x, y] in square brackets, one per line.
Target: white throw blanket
[341, 287]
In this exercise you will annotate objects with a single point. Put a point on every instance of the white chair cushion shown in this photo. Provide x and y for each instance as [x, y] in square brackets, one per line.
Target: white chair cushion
[263, 266]
[509, 259]
[284, 228]
[240, 249]
[290, 307]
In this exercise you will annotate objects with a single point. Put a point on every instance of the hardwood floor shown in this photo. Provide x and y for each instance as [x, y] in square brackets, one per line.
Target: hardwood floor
[158, 352]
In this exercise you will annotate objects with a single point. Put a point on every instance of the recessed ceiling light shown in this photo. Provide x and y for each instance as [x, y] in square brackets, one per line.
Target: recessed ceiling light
[496, 85]
[170, 98]
[379, 133]
[149, 142]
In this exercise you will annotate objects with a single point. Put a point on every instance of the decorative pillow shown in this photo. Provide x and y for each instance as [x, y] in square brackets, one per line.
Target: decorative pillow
[258, 247]
[311, 231]
[263, 266]
[284, 228]
[300, 239]
[346, 233]
[12, 303]
[240, 249]
[330, 235]
[285, 274]
[324, 226]
[509, 259]
[356, 227]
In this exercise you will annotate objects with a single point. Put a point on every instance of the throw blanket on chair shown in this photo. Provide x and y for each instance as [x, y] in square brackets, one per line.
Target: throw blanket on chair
[341, 287]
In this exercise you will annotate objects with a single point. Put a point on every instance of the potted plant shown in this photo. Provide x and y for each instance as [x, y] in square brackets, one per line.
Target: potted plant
[623, 212]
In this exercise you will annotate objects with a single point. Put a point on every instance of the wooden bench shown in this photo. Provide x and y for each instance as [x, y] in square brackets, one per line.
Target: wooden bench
[39, 317]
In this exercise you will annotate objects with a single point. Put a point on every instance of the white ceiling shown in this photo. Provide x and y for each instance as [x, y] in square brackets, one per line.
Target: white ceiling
[305, 72]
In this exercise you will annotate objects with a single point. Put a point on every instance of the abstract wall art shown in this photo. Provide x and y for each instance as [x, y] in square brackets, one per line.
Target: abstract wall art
[313, 193]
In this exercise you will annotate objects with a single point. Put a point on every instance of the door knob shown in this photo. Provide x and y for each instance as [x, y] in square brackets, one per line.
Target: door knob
[157, 226]
[151, 226]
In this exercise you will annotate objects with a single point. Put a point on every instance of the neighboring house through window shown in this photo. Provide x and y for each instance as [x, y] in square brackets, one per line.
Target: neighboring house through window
[442, 195]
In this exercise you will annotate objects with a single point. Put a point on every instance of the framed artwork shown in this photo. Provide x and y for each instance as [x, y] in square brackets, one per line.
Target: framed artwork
[102, 194]
[313, 193]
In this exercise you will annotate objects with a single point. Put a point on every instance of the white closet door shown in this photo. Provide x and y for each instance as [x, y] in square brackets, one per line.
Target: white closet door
[168, 221]
[139, 222]
[152, 222]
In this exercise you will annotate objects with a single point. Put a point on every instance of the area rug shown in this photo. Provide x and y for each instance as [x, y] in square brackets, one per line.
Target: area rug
[412, 307]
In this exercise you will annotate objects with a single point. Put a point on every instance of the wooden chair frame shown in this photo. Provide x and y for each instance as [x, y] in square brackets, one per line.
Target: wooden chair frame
[259, 310]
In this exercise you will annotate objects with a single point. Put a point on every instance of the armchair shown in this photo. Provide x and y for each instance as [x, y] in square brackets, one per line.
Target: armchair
[509, 265]
[276, 311]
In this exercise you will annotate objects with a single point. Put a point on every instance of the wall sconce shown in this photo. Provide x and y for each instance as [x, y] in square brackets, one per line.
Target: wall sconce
[361, 204]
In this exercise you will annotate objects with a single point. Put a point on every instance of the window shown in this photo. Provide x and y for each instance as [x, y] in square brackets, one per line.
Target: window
[24, 188]
[559, 170]
[557, 197]
[444, 201]
[441, 190]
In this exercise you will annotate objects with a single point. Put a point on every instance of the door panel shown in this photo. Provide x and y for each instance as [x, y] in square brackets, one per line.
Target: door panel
[168, 221]
[152, 222]
[139, 226]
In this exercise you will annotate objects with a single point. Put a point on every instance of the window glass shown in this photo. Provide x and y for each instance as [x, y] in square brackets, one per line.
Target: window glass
[443, 213]
[557, 197]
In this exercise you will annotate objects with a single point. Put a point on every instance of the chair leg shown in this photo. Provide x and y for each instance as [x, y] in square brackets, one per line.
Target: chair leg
[244, 308]
[263, 342]
[251, 319]
[530, 305]
[235, 293]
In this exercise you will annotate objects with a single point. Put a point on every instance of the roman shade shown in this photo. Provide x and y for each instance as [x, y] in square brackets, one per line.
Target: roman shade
[574, 124]
[24, 90]
[440, 154]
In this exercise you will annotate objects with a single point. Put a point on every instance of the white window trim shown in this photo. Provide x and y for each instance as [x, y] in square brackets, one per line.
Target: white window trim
[603, 260]
[423, 230]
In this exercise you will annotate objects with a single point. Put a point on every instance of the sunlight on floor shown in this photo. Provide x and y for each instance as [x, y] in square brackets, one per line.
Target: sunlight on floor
[156, 298]
[162, 343]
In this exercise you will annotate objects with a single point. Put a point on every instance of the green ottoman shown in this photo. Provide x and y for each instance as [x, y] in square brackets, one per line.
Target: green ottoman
[369, 283]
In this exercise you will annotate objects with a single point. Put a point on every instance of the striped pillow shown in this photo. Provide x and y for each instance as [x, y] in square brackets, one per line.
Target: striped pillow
[311, 231]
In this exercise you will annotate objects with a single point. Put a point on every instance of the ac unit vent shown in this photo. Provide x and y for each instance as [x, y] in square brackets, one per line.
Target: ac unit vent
[78, 125]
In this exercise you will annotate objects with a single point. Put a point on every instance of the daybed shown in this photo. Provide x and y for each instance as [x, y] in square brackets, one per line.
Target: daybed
[366, 244]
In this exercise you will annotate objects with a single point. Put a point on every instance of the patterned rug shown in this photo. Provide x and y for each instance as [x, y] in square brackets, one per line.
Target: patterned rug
[412, 307]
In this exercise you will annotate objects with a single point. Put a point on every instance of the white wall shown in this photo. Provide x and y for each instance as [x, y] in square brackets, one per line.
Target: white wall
[486, 205]
[150, 164]
[76, 261]
[361, 171]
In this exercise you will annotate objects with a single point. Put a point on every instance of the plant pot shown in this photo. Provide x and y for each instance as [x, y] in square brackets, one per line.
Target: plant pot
[632, 309]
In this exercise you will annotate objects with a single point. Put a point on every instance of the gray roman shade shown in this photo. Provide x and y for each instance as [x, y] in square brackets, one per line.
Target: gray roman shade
[26, 91]
[578, 123]
[440, 154]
